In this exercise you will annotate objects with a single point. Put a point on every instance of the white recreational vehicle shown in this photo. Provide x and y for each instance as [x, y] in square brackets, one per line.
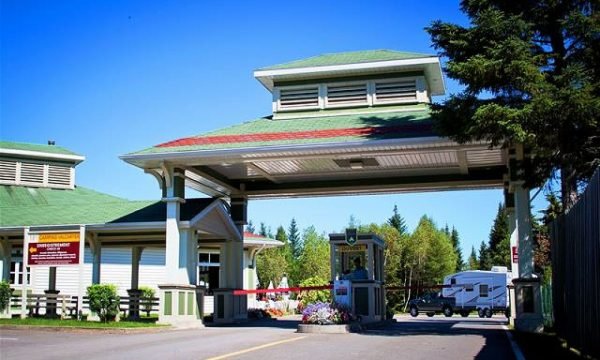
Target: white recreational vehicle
[476, 290]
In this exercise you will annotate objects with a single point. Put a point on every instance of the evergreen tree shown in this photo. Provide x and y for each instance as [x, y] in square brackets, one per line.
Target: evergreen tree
[499, 243]
[485, 262]
[250, 227]
[455, 239]
[294, 238]
[473, 261]
[397, 221]
[263, 230]
[531, 71]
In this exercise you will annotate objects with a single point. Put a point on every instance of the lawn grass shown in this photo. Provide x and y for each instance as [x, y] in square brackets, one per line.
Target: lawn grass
[543, 346]
[42, 322]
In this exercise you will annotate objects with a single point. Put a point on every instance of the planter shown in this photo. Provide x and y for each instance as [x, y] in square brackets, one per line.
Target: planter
[323, 329]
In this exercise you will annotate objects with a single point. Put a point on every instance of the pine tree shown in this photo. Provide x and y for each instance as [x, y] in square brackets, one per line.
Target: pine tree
[250, 227]
[531, 74]
[456, 245]
[485, 262]
[263, 230]
[499, 243]
[397, 221]
[294, 238]
[473, 261]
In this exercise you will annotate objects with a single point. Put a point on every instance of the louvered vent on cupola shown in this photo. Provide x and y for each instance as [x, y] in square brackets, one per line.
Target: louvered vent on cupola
[347, 94]
[13, 172]
[395, 91]
[299, 98]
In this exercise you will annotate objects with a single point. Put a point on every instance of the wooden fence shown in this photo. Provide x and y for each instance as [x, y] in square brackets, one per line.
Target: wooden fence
[576, 272]
[66, 305]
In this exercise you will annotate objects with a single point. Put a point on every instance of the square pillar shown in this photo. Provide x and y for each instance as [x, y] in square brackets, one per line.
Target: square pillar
[134, 293]
[96, 250]
[228, 307]
[528, 301]
[5, 259]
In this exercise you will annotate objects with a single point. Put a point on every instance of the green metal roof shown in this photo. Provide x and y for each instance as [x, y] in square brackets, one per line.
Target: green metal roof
[344, 58]
[318, 129]
[28, 206]
[53, 149]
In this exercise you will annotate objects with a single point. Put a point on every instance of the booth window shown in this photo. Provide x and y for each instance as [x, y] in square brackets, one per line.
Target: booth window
[483, 290]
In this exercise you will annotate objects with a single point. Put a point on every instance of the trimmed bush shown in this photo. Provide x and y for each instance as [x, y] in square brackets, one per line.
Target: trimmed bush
[5, 294]
[146, 302]
[314, 296]
[104, 301]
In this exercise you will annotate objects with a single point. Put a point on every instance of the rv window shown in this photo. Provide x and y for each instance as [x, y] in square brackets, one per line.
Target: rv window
[468, 287]
[483, 290]
[453, 281]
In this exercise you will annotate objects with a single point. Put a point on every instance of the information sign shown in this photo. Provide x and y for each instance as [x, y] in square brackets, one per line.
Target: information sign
[52, 249]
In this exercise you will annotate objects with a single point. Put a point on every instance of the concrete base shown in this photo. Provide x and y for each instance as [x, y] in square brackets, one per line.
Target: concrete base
[528, 307]
[229, 308]
[179, 306]
[323, 329]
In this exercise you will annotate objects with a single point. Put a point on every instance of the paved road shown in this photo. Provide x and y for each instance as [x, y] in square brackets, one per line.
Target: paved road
[418, 338]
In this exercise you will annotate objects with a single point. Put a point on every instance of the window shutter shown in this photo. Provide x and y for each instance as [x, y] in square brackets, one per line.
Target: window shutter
[59, 175]
[32, 173]
[8, 171]
[299, 98]
[395, 91]
[347, 94]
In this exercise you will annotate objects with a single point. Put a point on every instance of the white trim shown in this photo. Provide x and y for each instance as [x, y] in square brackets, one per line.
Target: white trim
[41, 154]
[266, 77]
[242, 152]
[360, 66]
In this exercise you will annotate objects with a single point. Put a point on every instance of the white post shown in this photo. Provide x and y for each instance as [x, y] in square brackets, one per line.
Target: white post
[24, 273]
[136, 255]
[81, 290]
[525, 243]
[514, 241]
[5, 259]
[96, 251]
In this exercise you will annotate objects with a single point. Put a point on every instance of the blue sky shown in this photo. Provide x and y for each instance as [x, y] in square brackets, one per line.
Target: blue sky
[105, 78]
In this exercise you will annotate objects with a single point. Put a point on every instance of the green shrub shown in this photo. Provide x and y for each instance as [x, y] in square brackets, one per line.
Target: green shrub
[314, 296]
[146, 301]
[104, 301]
[5, 294]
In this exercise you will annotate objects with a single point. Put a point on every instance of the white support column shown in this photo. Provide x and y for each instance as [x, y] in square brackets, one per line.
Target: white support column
[525, 242]
[528, 302]
[514, 241]
[81, 289]
[24, 273]
[136, 255]
[5, 259]
[96, 250]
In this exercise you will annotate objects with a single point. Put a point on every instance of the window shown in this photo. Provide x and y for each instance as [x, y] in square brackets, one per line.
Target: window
[468, 287]
[483, 290]
[453, 281]
[16, 271]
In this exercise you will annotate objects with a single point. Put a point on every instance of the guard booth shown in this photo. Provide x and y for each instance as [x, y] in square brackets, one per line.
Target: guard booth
[363, 289]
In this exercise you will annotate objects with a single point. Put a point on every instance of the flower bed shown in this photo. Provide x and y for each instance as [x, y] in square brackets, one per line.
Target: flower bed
[325, 314]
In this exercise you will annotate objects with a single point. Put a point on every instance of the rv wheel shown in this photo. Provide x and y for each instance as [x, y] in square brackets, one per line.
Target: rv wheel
[488, 313]
[448, 311]
[414, 312]
[481, 313]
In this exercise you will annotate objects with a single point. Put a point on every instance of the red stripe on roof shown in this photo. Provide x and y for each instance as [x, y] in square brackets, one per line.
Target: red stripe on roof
[298, 135]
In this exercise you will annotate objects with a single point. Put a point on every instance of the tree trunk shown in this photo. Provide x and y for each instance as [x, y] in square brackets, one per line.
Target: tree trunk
[409, 288]
[568, 187]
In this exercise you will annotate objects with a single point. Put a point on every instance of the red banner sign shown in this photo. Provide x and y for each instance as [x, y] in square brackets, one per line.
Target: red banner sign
[53, 253]
[515, 255]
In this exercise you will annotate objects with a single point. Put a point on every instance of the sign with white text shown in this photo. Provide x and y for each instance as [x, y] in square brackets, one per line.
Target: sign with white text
[53, 249]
